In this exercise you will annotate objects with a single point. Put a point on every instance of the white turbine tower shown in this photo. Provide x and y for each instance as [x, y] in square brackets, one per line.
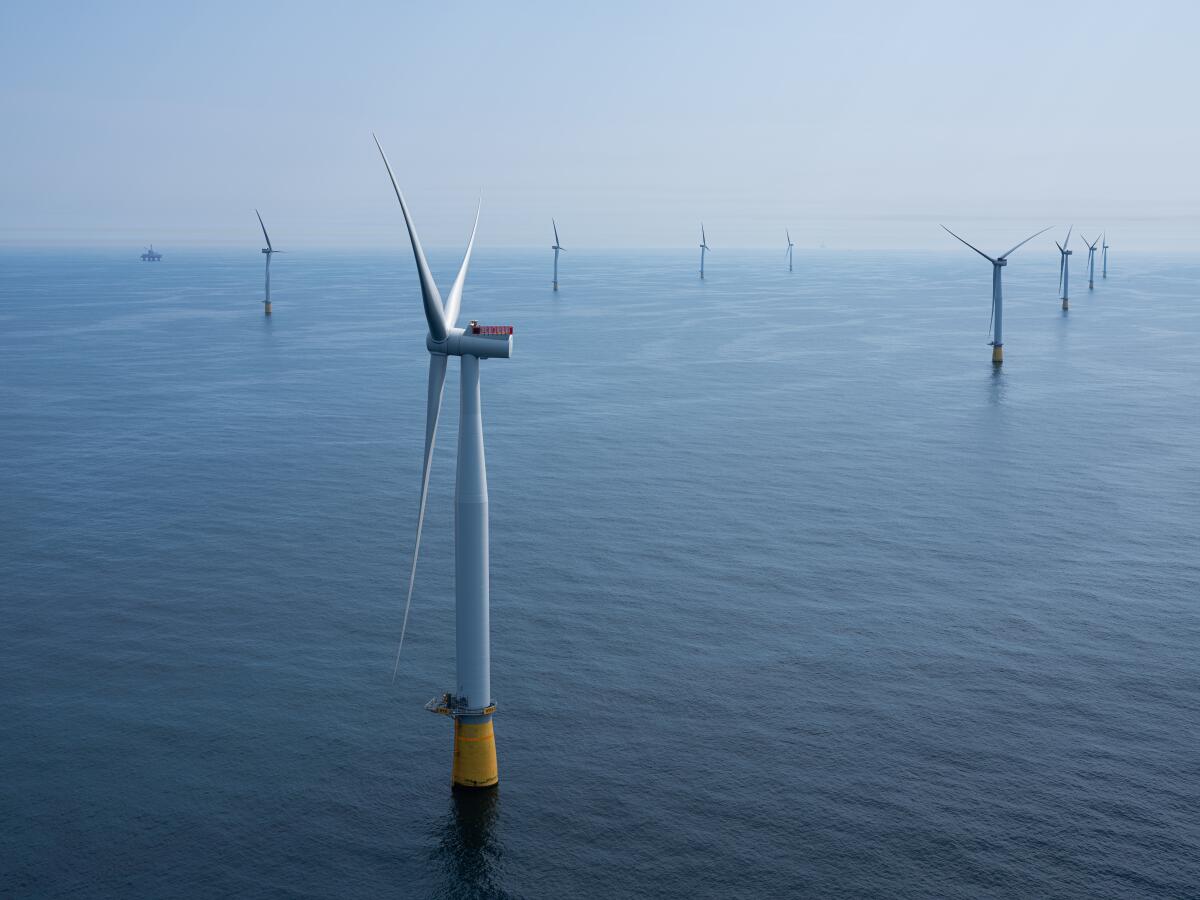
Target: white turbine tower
[1104, 254]
[789, 249]
[269, 251]
[1064, 267]
[557, 248]
[704, 248]
[471, 705]
[1091, 260]
[998, 263]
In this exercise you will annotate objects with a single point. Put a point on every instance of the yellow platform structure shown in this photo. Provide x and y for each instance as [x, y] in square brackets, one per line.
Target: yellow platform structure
[474, 763]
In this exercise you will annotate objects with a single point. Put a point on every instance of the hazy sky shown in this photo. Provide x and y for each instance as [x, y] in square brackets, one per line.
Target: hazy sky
[852, 124]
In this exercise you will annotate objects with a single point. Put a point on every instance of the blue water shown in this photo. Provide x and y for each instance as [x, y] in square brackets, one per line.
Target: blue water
[793, 593]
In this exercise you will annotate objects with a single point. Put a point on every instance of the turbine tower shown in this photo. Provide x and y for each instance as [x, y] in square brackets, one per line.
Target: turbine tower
[1091, 260]
[1064, 267]
[556, 248]
[998, 264]
[1104, 255]
[704, 248]
[470, 705]
[269, 251]
[789, 249]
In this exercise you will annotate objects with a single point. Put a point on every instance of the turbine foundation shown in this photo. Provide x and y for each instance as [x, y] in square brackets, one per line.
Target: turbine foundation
[474, 763]
[474, 755]
[266, 307]
[997, 354]
[1066, 306]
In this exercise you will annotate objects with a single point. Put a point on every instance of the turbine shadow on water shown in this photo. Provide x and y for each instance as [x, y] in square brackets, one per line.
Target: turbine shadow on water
[996, 386]
[469, 848]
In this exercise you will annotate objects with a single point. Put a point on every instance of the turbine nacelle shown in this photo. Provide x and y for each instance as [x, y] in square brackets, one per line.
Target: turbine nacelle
[480, 341]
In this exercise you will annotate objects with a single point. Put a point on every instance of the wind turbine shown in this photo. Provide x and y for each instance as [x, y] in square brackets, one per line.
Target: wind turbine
[1064, 266]
[1104, 254]
[1091, 259]
[704, 248]
[556, 248]
[789, 250]
[269, 251]
[470, 705]
[998, 263]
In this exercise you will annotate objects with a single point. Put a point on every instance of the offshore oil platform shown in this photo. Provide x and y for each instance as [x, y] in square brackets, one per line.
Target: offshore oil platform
[151, 255]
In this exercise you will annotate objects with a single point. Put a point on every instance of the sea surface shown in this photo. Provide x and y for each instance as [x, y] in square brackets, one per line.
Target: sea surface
[793, 593]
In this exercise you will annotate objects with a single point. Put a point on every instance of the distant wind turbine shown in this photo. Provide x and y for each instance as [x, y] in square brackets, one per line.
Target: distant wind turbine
[1104, 254]
[704, 248]
[998, 263]
[1064, 266]
[1091, 245]
[789, 250]
[556, 248]
[269, 251]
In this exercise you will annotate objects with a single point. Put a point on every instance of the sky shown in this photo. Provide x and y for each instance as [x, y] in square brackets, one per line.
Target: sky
[852, 124]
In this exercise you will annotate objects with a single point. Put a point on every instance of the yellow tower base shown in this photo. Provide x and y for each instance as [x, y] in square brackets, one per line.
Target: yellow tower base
[474, 755]
[998, 354]
[1065, 305]
[267, 307]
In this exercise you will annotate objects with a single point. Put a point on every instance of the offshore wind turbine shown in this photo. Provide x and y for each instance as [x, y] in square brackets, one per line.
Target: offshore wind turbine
[556, 248]
[1104, 254]
[998, 264]
[704, 248]
[1064, 267]
[789, 249]
[470, 705]
[1091, 260]
[269, 251]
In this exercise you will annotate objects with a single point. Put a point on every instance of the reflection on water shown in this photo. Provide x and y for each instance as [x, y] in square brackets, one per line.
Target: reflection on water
[996, 385]
[469, 848]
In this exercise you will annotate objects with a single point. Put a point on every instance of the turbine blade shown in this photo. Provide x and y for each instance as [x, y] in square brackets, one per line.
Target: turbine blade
[433, 411]
[555, 224]
[435, 313]
[1026, 241]
[1059, 246]
[1062, 265]
[1068, 240]
[454, 299]
[973, 247]
[264, 228]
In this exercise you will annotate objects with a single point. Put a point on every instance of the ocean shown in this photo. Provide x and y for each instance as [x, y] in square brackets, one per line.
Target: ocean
[793, 593]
